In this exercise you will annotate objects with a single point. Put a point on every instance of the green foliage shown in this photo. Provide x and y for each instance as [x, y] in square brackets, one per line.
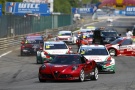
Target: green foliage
[4, 1]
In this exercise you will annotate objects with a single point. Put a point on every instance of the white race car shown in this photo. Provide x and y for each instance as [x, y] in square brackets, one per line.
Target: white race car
[110, 20]
[52, 48]
[65, 36]
[100, 54]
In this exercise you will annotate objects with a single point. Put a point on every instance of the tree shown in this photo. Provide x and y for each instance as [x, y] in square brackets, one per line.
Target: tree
[4, 1]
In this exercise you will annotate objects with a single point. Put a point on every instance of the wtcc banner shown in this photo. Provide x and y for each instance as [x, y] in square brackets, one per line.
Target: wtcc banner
[25, 8]
[130, 11]
[0, 10]
[82, 10]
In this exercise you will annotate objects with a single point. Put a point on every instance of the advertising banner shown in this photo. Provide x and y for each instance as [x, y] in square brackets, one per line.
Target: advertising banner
[0, 10]
[82, 10]
[130, 11]
[27, 8]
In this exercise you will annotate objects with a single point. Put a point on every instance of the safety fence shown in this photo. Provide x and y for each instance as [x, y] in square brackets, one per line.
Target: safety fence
[15, 40]
[11, 25]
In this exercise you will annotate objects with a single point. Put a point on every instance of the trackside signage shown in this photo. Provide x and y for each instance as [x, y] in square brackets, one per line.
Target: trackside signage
[16, 7]
[130, 11]
[0, 10]
[82, 10]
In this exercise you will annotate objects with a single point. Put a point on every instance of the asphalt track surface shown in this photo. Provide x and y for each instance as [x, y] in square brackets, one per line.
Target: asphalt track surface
[21, 73]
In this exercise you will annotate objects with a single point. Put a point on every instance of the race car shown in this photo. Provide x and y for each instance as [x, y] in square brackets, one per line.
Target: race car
[52, 48]
[87, 39]
[87, 28]
[31, 43]
[124, 46]
[104, 36]
[100, 55]
[86, 31]
[68, 67]
[65, 36]
[110, 20]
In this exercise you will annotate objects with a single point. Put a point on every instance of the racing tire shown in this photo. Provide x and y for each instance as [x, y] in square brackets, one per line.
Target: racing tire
[41, 80]
[112, 51]
[95, 72]
[82, 76]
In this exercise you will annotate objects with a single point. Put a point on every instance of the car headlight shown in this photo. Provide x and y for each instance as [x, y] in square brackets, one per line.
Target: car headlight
[43, 66]
[74, 67]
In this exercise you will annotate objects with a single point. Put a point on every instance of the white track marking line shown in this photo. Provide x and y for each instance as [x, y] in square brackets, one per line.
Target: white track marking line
[5, 54]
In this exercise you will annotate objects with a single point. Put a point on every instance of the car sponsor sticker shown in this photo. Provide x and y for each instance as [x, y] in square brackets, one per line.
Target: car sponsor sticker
[47, 46]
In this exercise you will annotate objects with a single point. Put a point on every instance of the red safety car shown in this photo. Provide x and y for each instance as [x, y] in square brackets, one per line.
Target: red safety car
[68, 67]
[122, 46]
[31, 43]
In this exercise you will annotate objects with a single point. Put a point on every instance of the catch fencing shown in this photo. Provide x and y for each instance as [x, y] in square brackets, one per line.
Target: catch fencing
[14, 32]
[11, 25]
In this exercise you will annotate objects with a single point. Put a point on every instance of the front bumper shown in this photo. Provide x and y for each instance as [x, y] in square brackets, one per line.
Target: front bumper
[104, 68]
[29, 50]
[50, 76]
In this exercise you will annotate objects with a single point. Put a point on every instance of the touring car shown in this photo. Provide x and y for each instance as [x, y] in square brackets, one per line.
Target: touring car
[68, 67]
[122, 46]
[52, 48]
[65, 36]
[31, 43]
[99, 53]
[104, 36]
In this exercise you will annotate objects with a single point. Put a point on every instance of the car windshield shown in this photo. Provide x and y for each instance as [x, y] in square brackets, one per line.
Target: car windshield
[109, 34]
[93, 51]
[34, 40]
[90, 36]
[116, 41]
[66, 59]
[64, 34]
[49, 46]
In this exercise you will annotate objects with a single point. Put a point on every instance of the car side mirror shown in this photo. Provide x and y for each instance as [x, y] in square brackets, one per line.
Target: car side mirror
[119, 45]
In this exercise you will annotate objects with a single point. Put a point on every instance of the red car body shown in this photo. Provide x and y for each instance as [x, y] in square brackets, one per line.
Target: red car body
[122, 46]
[67, 71]
[31, 43]
[86, 41]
